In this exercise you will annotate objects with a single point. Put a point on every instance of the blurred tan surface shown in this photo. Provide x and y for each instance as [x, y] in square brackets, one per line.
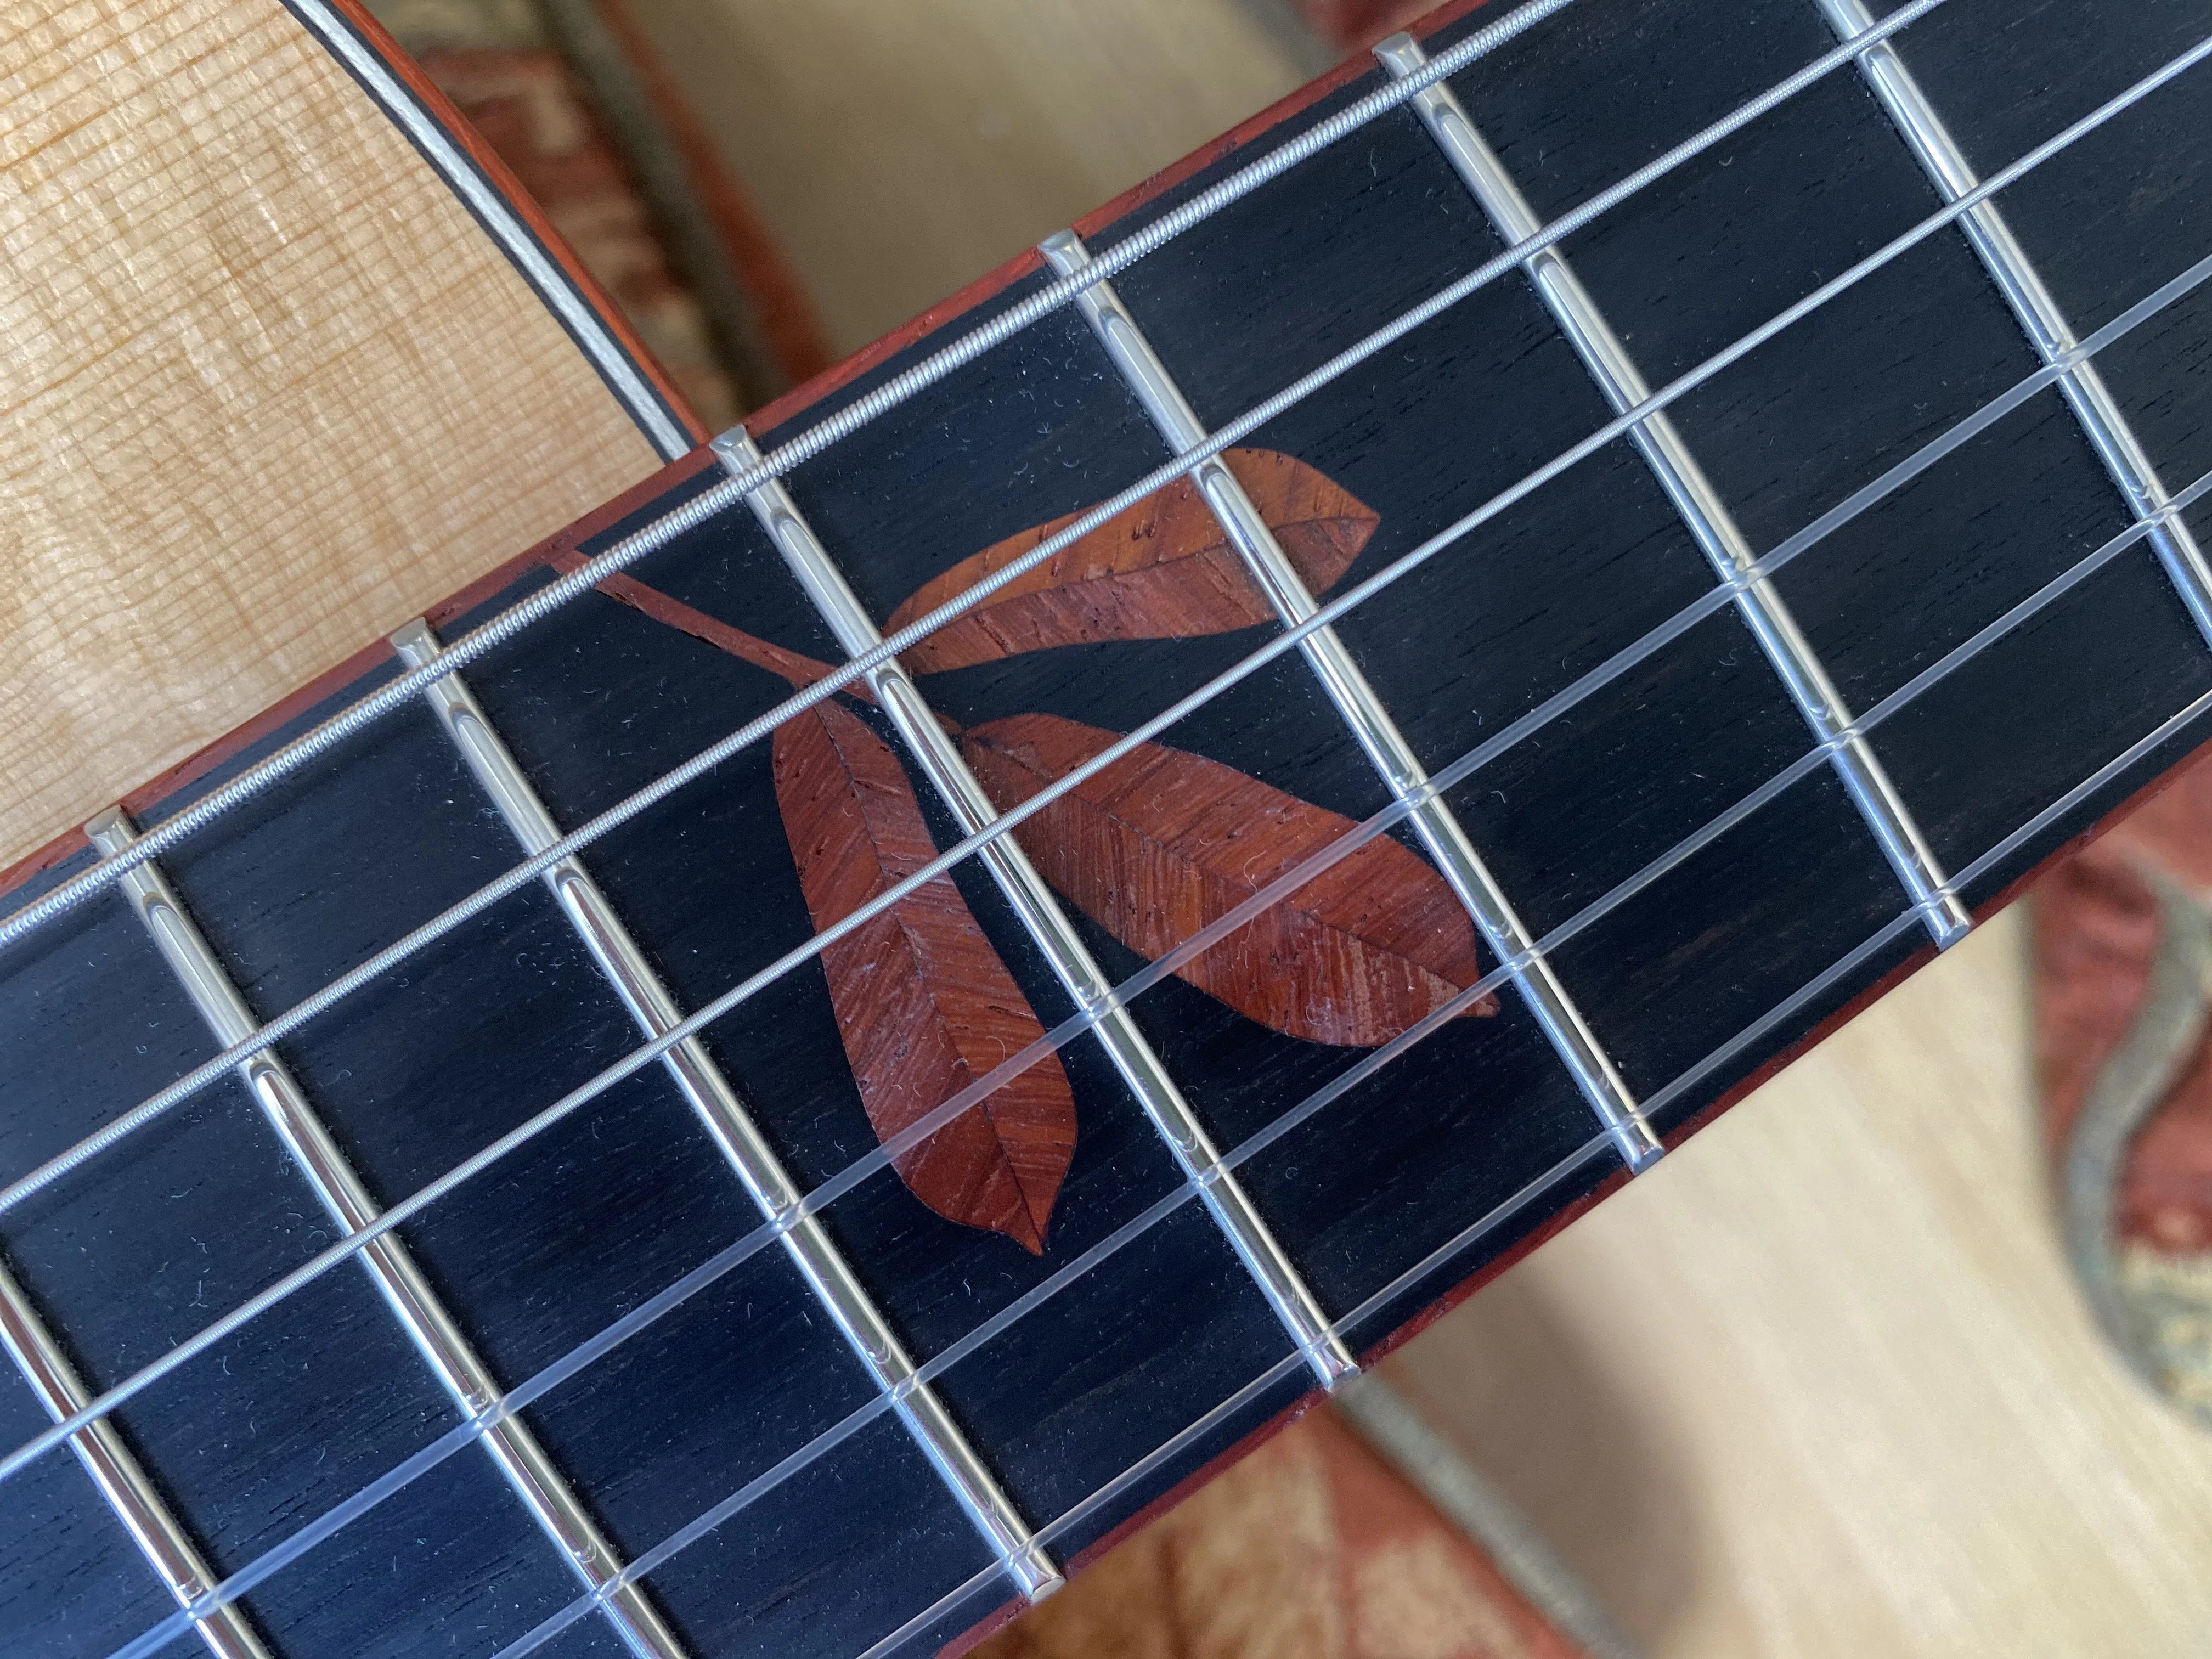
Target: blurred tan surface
[902, 149]
[1816, 1387]
[1819, 1385]
[261, 368]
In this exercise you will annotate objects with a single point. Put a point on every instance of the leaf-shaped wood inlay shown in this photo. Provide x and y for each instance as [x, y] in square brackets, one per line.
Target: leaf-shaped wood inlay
[923, 1003]
[1162, 569]
[1161, 842]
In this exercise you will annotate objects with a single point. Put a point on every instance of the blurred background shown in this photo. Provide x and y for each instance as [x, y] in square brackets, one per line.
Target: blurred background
[1819, 1386]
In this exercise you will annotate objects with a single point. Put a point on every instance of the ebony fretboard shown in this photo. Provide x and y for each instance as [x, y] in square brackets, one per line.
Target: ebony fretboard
[1390, 1165]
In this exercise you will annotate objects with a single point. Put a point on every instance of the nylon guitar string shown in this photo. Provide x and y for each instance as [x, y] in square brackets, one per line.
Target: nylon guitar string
[1076, 1268]
[1283, 1369]
[498, 630]
[381, 962]
[645, 1056]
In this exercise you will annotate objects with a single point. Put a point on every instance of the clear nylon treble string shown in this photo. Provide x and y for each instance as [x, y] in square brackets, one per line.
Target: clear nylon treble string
[2193, 494]
[727, 1260]
[646, 1055]
[676, 778]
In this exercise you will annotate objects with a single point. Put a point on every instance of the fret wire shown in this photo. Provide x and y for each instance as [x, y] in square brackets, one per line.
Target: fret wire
[708, 1273]
[121, 1479]
[2037, 310]
[1590, 914]
[437, 1337]
[2147, 742]
[1362, 712]
[1654, 639]
[309, 1270]
[645, 1056]
[714, 1102]
[687, 517]
[2136, 752]
[677, 777]
[1699, 506]
[1257, 1388]
[523, 614]
[1279, 1372]
[1046, 922]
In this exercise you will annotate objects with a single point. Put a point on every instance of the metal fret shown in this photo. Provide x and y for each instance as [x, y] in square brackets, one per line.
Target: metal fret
[1253, 1144]
[2095, 408]
[1047, 924]
[559, 1513]
[161, 1537]
[698, 509]
[1695, 499]
[944, 361]
[730, 1126]
[380, 961]
[1378, 736]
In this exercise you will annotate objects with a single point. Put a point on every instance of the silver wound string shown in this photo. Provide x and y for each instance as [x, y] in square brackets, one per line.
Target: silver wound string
[1368, 1067]
[2193, 488]
[2156, 735]
[813, 442]
[679, 777]
[640, 1057]
[508, 624]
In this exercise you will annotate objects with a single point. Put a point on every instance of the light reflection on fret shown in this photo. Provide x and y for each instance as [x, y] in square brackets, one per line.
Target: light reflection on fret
[1362, 712]
[1047, 924]
[1377, 1302]
[730, 1126]
[530, 1472]
[1695, 500]
[2095, 410]
[138, 1504]
[696, 510]
[2166, 732]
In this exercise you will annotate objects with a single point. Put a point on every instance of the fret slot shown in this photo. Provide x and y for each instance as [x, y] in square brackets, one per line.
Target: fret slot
[1370, 723]
[1699, 504]
[161, 1538]
[2038, 311]
[532, 1475]
[747, 1150]
[1041, 917]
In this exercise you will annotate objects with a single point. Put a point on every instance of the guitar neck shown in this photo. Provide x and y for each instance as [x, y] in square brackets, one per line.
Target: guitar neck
[1476, 682]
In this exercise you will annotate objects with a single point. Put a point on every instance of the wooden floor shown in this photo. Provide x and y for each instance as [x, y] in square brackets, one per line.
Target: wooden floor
[1816, 1387]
